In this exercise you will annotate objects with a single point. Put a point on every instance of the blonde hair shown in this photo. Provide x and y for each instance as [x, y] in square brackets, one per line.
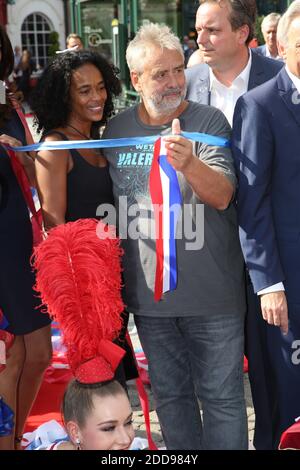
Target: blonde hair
[291, 13]
[272, 18]
[78, 402]
[150, 34]
[279, 31]
[73, 36]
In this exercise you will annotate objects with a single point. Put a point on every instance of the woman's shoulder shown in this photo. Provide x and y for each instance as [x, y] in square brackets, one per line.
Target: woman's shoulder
[54, 135]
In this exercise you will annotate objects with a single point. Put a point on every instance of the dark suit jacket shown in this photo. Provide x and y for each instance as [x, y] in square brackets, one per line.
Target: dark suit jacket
[261, 50]
[198, 86]
[266, 148]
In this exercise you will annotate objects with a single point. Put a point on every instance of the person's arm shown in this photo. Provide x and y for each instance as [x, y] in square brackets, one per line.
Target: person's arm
[275, 310]
[25, 159]
[210, 184]
[253, 150]
[51, 174]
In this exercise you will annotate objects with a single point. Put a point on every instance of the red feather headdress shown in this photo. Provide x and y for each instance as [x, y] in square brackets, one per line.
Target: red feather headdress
[78, 276]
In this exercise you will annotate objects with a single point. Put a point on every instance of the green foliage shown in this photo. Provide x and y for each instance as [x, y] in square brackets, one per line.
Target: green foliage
[54, 43]
[258, 33]
[268, 6]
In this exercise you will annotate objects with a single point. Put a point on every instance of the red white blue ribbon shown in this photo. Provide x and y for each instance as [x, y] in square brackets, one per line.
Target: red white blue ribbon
[166, 200]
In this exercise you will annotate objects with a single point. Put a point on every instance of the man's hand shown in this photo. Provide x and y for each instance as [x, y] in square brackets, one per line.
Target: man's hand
[179, 150]
[210, 185]
[274, 310]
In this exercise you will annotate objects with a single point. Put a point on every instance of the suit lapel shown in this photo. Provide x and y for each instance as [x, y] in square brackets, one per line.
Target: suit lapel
[289, 94]
[203, 88]
[257, 76]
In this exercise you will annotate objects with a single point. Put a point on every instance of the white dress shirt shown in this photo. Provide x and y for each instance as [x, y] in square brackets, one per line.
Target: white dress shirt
[268, 54]
[224, 97]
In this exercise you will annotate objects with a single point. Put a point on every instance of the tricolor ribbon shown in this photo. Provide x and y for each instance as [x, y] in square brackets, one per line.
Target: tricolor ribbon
[166, 201]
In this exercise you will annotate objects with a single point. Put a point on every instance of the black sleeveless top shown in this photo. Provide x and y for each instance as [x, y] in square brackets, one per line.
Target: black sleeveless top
[88, 187]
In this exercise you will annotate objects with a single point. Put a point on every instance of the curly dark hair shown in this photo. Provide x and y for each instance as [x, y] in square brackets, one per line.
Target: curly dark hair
[50, 100]
[242, 12]
[7, 61]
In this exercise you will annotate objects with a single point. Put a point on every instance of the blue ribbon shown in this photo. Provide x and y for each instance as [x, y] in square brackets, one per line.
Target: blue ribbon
[123, 142]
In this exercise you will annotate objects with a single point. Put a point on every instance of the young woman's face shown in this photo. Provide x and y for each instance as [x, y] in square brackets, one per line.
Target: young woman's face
[87, 94]
[109, 425]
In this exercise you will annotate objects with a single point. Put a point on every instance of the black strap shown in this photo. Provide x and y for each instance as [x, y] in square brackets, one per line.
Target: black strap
[61, 134]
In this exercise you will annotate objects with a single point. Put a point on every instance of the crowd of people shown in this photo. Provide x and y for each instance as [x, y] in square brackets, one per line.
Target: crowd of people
[20, 79]
[235, 291]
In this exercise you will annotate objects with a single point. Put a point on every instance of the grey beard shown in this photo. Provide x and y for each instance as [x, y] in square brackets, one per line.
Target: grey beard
[168, 106]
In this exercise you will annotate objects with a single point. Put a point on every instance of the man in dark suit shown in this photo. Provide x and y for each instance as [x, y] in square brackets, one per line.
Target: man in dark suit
[224, 32]
[269, 30]
[230, 69]
[266, 143]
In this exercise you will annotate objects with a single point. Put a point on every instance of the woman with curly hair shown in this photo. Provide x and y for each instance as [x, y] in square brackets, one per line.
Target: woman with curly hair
[72, 99]
[30, 351]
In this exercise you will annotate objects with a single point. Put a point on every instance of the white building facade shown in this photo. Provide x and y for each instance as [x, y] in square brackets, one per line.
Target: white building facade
[30, 23]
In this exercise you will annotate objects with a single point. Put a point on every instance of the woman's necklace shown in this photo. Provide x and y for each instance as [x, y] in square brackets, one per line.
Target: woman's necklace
[78, 132]
[97, 151]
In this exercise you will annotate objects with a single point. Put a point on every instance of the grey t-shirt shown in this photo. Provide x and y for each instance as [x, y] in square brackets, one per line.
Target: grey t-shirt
[210, 266]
